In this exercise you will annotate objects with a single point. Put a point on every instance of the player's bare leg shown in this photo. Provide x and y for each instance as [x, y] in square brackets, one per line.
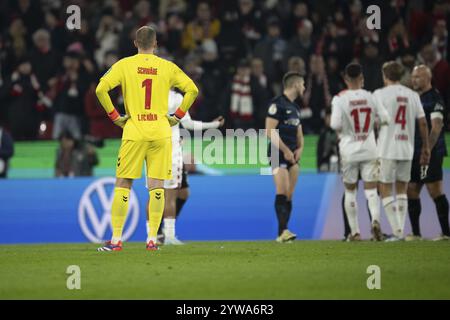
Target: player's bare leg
[119, 210]
[281, 179]
[170, 212]
[414, 210]
[373, 202]
[170, 204]
[351, 209]
[155, 210]
[170, 207]
[390, 207]
[183, 195]
[282, 186]
[402, 204]
[124, 183]
[434, 189]
[440, 200]
[293, 178]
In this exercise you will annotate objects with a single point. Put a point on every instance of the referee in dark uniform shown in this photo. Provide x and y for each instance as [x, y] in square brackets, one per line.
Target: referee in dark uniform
[434, 108]
[285, 149]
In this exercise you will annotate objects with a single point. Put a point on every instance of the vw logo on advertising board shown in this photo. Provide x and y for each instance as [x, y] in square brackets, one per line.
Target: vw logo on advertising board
[94, 210]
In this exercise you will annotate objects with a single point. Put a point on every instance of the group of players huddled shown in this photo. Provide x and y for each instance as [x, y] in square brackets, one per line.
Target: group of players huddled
[378, 143]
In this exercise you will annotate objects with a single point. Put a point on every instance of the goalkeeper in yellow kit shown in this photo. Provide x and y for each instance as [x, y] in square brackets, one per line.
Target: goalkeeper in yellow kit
[145, 80]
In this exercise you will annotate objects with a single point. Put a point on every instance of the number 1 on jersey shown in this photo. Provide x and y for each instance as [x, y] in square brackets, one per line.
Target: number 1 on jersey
[147, 83]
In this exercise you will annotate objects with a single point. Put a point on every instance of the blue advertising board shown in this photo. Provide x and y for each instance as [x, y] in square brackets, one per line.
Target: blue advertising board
[219, 208]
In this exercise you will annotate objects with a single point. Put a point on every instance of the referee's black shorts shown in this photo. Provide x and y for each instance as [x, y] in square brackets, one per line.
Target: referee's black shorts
[434, 172]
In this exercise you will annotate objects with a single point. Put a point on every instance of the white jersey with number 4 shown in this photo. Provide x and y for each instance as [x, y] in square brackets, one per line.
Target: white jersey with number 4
[396, 140]
[353, 115]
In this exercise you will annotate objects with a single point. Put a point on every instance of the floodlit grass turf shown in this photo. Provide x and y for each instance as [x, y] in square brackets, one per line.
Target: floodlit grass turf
[228, 270]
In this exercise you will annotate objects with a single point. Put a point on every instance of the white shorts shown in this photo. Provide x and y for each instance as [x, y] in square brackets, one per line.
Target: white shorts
[369, 171]
[395, 170]
[177, 167]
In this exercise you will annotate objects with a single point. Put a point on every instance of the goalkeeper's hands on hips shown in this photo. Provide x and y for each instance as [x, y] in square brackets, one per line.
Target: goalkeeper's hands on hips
[173, 120]
[118, 119]
[121, 121]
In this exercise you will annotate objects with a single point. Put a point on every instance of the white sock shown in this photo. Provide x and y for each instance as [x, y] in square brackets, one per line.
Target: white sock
[351, 208]
[389, 205]
[402, 206]
[373, 203]
[169, 227]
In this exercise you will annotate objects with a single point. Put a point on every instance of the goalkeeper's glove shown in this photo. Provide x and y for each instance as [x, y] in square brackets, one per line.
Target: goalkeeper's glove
[173, 120]
[121, 121]
[117, 119]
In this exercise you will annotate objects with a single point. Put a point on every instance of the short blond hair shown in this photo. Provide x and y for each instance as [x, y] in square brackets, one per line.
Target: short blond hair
[145, 37]
[393, 70]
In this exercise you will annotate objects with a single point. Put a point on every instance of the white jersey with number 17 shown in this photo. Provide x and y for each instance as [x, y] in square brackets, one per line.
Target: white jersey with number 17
[353, 115]
[396, 140]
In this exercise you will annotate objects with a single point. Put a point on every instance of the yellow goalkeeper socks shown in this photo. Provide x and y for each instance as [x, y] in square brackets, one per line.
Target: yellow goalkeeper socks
[119, 212]
[155, 212]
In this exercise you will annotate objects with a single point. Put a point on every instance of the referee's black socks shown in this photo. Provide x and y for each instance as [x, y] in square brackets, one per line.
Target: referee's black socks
[441, 203]
[414, 209]
[282, 210]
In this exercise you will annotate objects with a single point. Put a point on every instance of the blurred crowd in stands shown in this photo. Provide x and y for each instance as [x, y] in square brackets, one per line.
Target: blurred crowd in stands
[235, 50]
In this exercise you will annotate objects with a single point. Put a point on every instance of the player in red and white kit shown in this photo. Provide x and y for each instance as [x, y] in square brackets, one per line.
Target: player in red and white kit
[396, 144]
[353, 117]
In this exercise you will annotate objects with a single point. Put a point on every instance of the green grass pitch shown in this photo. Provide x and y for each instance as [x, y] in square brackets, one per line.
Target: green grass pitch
[228, 270]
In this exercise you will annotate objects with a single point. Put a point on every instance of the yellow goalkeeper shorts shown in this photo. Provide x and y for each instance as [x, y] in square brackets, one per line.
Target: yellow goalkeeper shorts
[157, 155]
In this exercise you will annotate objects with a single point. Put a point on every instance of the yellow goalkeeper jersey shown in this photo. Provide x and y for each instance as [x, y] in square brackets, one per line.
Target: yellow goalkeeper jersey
[146, 80]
